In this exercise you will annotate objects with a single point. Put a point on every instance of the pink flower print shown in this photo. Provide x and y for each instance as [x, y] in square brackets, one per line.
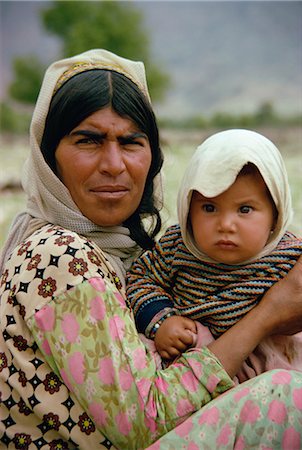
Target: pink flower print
[155, 446]
[210, 417]
[184, 429]
[126, 379]
[46, 347]
[139, 359]
[212, 383]
[189, 382]
[76, 367]
[193, 446]
[66, 380]
[150, 424]
[98, 284]
[277, 412]
[161, 385]
[240, 444]
[297, 396]
[98, 414]
[250, 412]
[143, 386]
[106, 371]
[70, 327]
[120, 299]
[45, 318]
[291, 439]
[240, 394]
[197, 368]
[97, 308]
[224, 435]
[184, 407]
[281, 377]
[123, 424]
[117, 328]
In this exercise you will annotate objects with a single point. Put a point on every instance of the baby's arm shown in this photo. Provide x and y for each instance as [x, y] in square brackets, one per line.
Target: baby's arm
[174, 336]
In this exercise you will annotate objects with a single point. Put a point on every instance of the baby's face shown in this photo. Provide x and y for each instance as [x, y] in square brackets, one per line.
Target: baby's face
[234, 226]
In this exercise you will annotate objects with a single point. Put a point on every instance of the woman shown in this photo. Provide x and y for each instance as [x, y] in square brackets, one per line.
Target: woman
[73, 370]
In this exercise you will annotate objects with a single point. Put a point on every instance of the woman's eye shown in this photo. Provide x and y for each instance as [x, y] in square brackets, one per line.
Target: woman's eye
[87, 141]
[133, 144]
[245, 209]
[208, 208]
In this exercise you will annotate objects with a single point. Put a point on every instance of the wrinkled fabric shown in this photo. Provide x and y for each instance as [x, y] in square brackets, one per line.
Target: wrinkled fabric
[255, 415]
[71, 358]
[74, 374]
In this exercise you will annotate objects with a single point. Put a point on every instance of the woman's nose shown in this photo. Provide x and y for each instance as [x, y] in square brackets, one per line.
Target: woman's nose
[111, 159]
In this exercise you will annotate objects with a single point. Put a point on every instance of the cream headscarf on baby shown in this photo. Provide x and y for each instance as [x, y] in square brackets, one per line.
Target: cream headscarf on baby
[214, 168]
[49, 201]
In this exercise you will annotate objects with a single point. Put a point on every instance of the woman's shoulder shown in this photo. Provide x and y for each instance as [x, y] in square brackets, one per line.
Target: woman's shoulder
[55, 240]
[53, 260]
[54, 235]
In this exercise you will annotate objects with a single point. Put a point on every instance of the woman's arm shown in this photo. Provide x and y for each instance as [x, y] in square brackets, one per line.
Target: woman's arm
[279, 312]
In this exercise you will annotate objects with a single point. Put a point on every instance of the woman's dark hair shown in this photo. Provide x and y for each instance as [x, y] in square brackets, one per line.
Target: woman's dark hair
[88, 92]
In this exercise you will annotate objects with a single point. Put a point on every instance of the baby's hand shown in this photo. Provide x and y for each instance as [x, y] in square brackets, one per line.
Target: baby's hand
[175, 335]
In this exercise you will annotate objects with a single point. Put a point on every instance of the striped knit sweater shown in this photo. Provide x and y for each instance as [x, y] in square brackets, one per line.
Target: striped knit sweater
[217, 295]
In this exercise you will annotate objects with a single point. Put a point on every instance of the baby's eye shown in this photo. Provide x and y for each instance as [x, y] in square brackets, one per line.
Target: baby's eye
[208, 207]
[245, 209]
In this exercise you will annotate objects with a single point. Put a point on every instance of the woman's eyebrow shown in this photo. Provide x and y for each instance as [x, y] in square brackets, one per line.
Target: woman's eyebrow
[97, 136]
[130, 137]
[91, 134]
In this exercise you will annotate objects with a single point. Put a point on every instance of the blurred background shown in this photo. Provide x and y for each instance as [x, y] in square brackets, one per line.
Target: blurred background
[211, 65]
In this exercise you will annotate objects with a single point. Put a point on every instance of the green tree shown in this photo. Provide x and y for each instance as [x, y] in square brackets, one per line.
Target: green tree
[83, 25]
[28, 75]
[266, 114]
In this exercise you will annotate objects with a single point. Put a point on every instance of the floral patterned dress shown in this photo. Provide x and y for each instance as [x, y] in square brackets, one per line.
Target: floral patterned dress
[74, 374]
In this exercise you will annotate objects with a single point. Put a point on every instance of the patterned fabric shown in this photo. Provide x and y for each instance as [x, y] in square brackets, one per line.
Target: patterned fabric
[170, 278]
[108, 65]
[217, 295]
[236, 421]
[74, 374]
[73, 371]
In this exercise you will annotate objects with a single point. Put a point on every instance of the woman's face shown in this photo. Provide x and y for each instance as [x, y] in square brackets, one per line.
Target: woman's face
[104, 163]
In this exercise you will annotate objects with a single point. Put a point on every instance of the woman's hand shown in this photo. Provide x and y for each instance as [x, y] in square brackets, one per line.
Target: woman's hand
[282, 304]
[279, 312]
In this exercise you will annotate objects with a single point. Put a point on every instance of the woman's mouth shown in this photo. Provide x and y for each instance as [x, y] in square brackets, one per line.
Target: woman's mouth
[110, 191]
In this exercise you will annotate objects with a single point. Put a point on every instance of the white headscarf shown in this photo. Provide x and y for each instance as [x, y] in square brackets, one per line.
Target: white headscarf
[49, 201]
[214, 168]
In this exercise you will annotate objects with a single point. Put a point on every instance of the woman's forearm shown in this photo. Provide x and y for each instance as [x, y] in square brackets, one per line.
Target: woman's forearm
[279, 312]
[235, 345]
